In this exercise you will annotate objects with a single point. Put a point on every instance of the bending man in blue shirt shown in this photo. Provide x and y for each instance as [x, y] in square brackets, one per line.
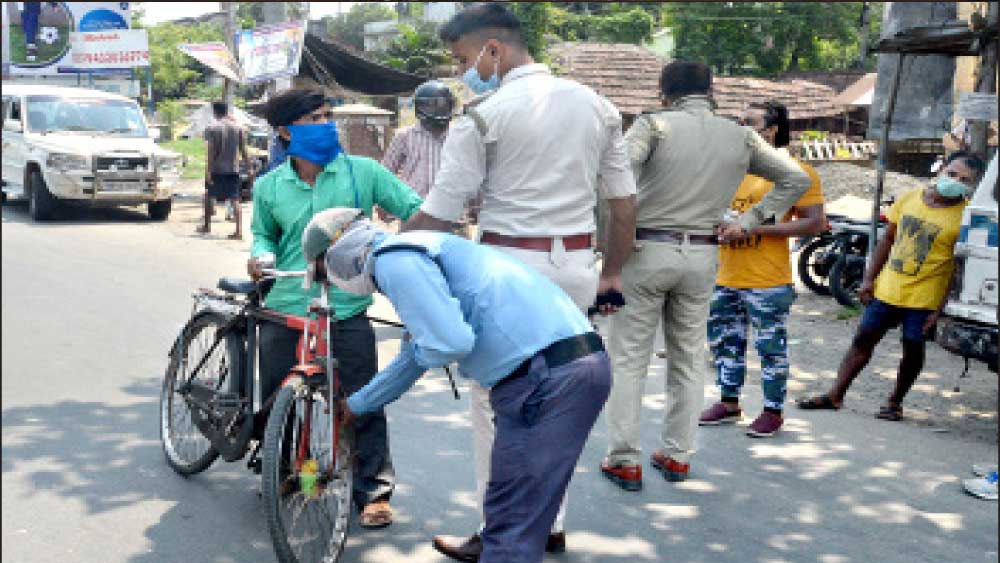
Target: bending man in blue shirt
[509, 328]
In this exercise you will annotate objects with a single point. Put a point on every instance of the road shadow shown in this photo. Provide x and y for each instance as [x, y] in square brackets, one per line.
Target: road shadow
[73, 215]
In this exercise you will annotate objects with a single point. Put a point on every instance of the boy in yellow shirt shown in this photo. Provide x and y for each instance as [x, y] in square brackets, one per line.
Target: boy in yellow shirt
[754, 288]
[907, 281]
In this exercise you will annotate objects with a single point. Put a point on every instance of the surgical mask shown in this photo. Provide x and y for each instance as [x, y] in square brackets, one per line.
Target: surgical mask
[316, 142]
[475, 82]
[949, 187]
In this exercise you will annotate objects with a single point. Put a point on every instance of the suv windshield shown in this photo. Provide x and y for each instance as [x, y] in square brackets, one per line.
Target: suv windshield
[56, 113]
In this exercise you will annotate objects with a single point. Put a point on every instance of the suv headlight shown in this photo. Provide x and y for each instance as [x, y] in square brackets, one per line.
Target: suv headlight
[168, 164]
[65, 162]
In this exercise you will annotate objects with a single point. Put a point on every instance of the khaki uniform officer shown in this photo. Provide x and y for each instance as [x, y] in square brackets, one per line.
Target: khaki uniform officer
[688, 163]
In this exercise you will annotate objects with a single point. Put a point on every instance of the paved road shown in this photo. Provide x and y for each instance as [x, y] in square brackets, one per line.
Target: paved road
[90, 305]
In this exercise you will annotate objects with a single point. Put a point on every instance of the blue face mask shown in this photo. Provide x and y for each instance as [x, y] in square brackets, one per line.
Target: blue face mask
[475, 82]
[949, 187]
[316, 142]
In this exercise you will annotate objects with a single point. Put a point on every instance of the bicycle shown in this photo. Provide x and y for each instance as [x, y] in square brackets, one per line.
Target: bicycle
[210, 406]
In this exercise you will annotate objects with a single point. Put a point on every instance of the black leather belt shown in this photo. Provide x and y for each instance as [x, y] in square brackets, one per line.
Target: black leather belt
[562, 352]
[666, 235]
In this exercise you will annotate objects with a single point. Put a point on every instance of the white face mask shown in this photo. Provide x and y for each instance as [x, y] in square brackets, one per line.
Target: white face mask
[361, 284]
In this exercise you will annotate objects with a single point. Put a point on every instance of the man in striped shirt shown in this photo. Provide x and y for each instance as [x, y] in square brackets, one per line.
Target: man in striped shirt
[415, 151]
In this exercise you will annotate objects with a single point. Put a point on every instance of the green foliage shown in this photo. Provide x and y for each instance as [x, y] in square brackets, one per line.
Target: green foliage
[770, 37]
[349, 28]
[170, 113]
[417, 50]
[535, 19]
[632, 26]
[194, 156]
[173, 71]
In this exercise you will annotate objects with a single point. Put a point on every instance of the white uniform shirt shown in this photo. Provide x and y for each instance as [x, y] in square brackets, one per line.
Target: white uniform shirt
[558, 144]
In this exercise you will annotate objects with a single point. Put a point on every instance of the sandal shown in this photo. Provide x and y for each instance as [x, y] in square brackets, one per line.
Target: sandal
[202, 230]
[376, 514]
[890, 412]
[817, 403]
[235, 236]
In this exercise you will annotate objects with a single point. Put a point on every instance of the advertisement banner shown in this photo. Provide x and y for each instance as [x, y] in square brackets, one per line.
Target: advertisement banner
[215, 56]
[270, 52]
[125, 48]
[37, 35]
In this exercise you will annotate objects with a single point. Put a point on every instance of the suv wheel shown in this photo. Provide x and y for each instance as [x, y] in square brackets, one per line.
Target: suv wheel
[41, 205]
[159, 210]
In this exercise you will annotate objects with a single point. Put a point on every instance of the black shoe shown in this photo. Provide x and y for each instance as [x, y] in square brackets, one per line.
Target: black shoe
[556, 543]
[467, 551]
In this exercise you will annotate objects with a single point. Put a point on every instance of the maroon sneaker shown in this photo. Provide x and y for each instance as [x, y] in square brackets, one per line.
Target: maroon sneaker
[671, 469]
[765, 425]
[719, 414]
[628, 477]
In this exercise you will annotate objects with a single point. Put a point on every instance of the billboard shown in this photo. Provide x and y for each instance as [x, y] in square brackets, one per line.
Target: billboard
[270, 52]
[124, 48]
[215, 55]
[37, 35]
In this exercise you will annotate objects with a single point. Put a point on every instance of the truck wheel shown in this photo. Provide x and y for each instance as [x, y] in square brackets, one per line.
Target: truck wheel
[159, 210]
[41, 205]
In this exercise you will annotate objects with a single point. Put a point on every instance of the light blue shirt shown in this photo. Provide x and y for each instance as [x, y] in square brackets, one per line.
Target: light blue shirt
[466, 303]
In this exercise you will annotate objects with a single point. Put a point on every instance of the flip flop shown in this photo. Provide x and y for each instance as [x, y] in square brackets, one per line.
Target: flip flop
[890, 412]
[235, 236]
[376, 514]
[817, 403]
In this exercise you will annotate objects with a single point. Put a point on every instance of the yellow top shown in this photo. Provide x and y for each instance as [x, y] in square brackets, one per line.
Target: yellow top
[761, 261]
[920, 263]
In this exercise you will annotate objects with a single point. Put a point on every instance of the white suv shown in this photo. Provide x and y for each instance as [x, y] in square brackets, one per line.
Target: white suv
[84, 146]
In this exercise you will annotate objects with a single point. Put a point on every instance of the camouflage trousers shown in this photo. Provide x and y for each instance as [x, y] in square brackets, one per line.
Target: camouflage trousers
[733, 311]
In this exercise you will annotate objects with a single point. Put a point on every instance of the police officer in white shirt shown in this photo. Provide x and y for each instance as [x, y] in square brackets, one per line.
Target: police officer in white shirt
[541, 150]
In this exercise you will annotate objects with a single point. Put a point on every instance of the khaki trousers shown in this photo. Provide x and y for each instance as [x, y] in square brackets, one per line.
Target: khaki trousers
[674, 281]
[576, 273]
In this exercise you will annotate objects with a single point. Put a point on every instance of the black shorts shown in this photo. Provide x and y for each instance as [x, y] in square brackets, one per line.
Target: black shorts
[224, 187]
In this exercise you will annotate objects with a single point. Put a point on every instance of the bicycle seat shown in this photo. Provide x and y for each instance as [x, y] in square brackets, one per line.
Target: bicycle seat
[235, 285]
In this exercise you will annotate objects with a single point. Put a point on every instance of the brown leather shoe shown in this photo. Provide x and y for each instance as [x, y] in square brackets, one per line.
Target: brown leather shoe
[467, 550]
[671, 469]
[628, 477]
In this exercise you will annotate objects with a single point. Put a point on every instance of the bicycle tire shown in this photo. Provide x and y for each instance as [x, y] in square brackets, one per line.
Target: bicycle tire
[284, 491]
[845, 279]
[807, 268]
[186, 465]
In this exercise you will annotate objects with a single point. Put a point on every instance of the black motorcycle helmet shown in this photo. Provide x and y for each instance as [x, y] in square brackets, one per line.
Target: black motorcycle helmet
[434, 102]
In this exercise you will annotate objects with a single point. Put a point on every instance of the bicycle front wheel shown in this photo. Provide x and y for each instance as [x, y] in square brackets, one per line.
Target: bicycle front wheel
[307, 477]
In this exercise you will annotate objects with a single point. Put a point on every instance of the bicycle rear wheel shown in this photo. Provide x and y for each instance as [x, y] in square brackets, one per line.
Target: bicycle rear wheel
[307, 523]
[186, 449]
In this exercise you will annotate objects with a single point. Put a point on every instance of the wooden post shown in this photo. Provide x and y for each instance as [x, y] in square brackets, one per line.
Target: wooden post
[986, 83]
[883, 156]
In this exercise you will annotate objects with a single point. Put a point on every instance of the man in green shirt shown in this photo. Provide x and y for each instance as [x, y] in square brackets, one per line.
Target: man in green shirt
[318, 176]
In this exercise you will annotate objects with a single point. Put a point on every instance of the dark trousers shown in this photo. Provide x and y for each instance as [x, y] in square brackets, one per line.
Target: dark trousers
[543, 419]
[29, 21]
[354, 348]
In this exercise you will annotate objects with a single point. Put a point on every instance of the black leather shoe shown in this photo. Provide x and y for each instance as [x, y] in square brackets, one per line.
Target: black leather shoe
[556, 543]
[467, 550]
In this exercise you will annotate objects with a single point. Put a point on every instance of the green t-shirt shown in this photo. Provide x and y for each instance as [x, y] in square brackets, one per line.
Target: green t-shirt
[283, 205]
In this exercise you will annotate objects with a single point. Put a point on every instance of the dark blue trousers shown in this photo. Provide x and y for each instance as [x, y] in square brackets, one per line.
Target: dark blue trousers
[543, 419]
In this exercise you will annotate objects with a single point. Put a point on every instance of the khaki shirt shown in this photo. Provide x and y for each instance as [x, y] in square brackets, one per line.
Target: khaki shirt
[554, 147]
[688, 163]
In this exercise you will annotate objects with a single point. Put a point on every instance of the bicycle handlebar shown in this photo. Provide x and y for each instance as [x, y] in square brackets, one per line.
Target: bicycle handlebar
[272, 273]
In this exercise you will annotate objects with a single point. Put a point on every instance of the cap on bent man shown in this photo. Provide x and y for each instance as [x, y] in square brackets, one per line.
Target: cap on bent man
[324, 229]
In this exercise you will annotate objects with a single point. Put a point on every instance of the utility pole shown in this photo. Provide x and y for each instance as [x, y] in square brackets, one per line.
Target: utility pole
[228, 87]
[865, 21]
[274, 13]
[986, 82]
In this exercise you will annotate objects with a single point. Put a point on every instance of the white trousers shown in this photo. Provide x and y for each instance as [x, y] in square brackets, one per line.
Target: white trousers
[576, 273]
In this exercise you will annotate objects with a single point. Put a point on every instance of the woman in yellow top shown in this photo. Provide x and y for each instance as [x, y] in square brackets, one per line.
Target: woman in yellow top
[754, 288]
[907, 281]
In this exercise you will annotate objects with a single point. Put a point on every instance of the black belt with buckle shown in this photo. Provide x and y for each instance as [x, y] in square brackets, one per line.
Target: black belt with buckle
[562, 352]
[666, 235]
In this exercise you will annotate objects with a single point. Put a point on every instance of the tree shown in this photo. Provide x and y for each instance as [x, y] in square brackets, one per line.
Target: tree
[769, 37]
[349, 28]
[173, 71]
[417, 50]
[170, 112]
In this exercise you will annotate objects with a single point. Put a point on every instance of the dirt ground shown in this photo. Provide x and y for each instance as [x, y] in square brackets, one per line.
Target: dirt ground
[817, 341]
